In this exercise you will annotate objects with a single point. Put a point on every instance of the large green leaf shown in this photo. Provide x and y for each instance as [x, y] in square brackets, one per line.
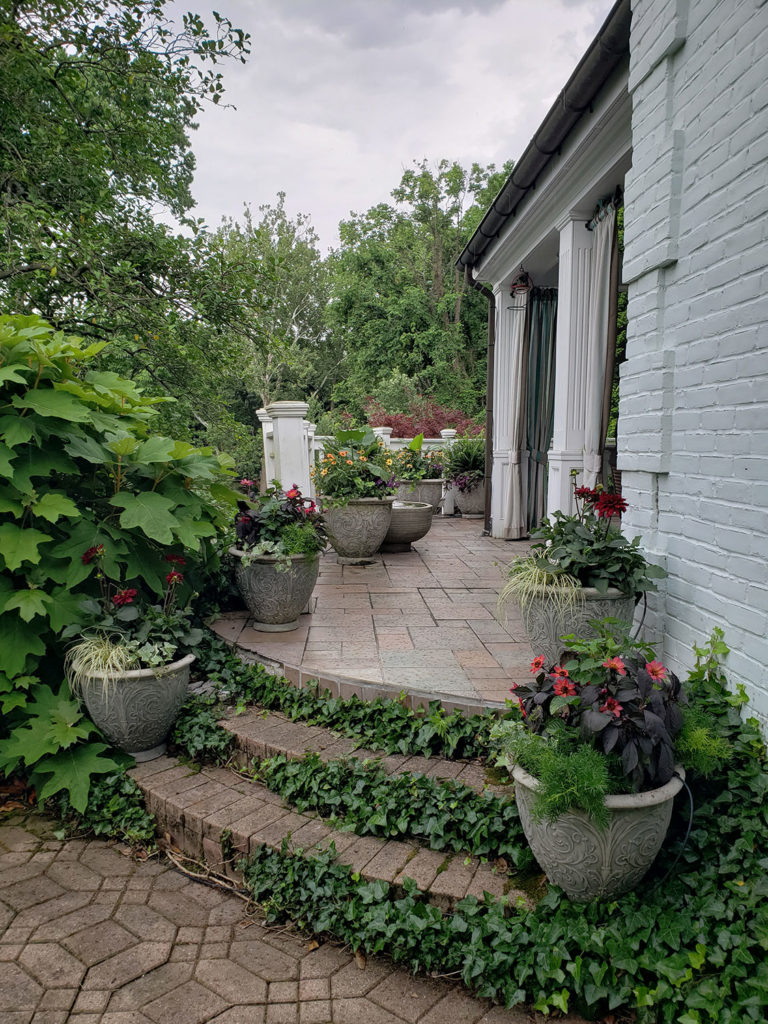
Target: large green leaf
[221, 492]
[86, 447]
[28, 603]
[53, 505]
[189, 531]
[65, 608]
[13, 372]
[40, 464]
[53, 403]
[142, 562]
[16, 429]
[18, 544]
[156, 449]
[17, 641]
[149, 511]
[9, 501]
[72, 770]
[6, 456]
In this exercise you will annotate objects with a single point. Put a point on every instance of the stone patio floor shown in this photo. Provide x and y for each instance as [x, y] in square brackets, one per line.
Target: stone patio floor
[423, 621]
[90, 936]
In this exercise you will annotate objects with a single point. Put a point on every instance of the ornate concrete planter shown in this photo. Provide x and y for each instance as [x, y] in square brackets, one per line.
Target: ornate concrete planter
[411, 520]
[587, 862]
[357, 529]
[545, 622]
[429, 491]
[472, 502]
[275, 598]
[136, 709]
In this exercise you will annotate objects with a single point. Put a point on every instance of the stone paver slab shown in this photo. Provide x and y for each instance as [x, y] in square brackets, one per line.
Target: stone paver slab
[191, 1003]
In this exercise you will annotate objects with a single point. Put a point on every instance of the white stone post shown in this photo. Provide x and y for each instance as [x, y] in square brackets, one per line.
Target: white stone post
[447, 508]
[268, 446]
[567, 451]
[290, 464]
[385, 433]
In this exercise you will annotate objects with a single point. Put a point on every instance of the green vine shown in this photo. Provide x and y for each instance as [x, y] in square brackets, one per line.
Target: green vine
[115, 810]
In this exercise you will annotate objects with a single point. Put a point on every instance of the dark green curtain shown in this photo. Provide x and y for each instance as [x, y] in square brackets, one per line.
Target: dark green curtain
[540, 396]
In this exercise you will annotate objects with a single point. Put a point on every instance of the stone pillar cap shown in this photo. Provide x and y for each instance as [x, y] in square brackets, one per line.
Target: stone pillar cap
[295, 409]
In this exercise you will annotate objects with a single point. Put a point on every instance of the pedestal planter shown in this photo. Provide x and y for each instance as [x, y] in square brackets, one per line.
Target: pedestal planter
[411, 520]
[357, 529]
[587, 862]
[470, 503]
[136, 709]
[545, 622]
[429, 491]
[275, 598]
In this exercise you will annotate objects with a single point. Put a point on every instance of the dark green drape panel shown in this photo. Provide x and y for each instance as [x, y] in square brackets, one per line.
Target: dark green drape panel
[540, 396]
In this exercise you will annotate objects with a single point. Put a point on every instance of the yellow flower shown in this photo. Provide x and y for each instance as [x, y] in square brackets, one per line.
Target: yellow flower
[389, 462]
[363, 458]
[323, 472]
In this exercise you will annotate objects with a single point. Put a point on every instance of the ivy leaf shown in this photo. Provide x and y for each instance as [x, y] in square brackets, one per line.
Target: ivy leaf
[53, 505]
[150, 512]
[19, 545]
[28, 603]
[72, 770]
[17, 641]
[53, 403]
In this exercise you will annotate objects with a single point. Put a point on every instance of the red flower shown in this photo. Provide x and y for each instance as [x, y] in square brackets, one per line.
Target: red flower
[173, 577]
[95, 552]
[247, 483]
[124, 596]
[608, 505]
[611, 707]
[565, 688]
[538, 663]
[617, 664]
[586, 493]
[294, 492]
[310, 508]
[560, 672]
[656, 670]
[176, 559]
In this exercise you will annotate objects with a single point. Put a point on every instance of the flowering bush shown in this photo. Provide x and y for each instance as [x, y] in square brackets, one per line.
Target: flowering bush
[465, 463]
[589, 548]
[354, 465]
[425, 416]
[280, 524]
[413, 463]
[149, 633]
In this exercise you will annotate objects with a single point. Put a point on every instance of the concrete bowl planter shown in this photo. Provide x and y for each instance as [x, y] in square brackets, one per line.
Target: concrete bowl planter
[587, 862]
[411, 520]
[275, 597]
[471, 503]
[357, 529]
[136, 709]
[545, 621]
[429, 491]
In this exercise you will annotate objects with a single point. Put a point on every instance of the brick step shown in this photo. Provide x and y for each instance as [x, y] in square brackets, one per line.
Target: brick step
[196, 809]
[261, 735]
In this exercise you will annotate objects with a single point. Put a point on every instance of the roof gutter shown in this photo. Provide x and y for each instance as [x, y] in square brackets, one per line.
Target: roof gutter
[608, 48]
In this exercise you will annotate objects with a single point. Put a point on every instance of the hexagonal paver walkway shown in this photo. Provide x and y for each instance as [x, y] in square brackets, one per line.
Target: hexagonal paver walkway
[90, 936]
[422, 621]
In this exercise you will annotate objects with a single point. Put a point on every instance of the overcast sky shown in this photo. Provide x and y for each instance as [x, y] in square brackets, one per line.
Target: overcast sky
[339, 96]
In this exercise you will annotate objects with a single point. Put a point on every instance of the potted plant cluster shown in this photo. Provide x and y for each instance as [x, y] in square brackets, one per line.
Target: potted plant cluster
[280, 535]
[594, 763]
[356, 481]
[464, 465]
[419, 474]
[581, 569]
[130, 666]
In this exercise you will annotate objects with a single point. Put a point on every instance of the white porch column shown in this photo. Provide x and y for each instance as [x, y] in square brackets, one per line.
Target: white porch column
[385, 433]
[268, 447]
[567, 448]
[290, 464]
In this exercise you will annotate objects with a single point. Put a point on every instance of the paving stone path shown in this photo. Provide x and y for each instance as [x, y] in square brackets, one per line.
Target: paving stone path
[90, 936]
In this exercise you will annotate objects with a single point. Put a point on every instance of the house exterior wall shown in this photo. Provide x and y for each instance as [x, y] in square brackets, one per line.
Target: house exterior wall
[693, 423]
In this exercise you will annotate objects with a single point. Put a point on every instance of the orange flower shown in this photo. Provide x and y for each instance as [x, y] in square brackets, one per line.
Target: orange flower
[349, 462]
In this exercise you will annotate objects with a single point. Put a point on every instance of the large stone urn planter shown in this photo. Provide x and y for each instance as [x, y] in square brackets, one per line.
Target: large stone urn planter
[357, 529]
[587, 862]
[411, 520]
[546, 621]
[136, 709]
[429, 491]
[275, 597]
[471, 503]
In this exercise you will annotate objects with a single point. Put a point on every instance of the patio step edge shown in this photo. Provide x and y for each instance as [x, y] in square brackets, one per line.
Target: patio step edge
[205, 812]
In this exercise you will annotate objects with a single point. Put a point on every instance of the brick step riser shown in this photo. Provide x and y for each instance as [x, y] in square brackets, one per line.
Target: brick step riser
[205, 813]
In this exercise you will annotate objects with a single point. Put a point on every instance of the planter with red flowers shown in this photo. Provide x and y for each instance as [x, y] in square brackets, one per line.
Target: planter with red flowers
[594, 763]
[280, 536]
[130, 666]
[580, 570]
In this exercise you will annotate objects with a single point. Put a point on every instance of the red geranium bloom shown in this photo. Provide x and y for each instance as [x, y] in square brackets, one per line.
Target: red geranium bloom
[173, 578]
[538, 663]
[560, 672]
[294, 492]
[656, 669]
[611, 707]
[95, 552]
[617, 664]
[176, 559]
[124, 596]
[608, 505]
[565, 688]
